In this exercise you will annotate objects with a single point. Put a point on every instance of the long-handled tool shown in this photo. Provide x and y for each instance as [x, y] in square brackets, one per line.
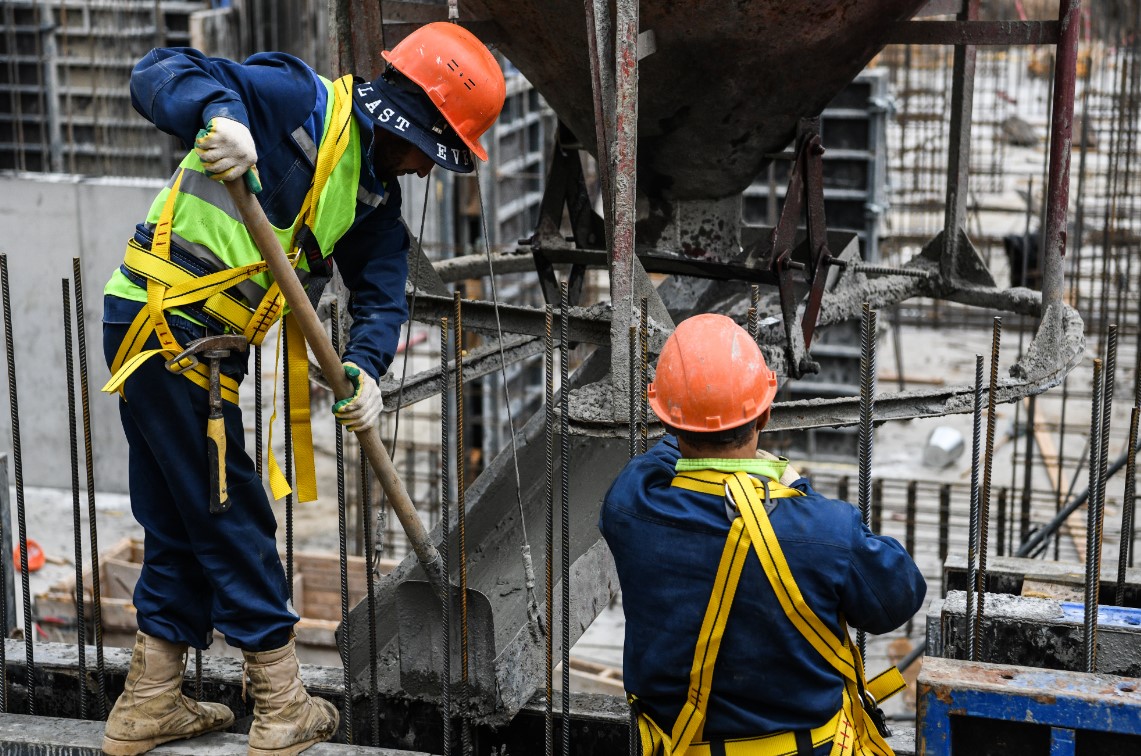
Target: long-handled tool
[215, 349]
[262, 234]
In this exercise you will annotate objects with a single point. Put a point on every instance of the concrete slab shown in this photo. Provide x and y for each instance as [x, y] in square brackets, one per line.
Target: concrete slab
[1035, 632]
[49, 736]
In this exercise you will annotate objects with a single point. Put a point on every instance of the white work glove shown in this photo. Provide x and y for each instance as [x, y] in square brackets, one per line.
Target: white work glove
[360, 411]
[226, 149]
[790, 474]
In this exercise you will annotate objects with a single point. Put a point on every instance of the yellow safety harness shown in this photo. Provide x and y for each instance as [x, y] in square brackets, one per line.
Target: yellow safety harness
[170, 286]
[852, 729]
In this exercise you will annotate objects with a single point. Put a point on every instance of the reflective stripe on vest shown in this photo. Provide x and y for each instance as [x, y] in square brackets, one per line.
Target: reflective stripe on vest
[850, 729]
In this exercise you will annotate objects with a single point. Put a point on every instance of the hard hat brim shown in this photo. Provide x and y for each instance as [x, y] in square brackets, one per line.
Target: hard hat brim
[405, 114]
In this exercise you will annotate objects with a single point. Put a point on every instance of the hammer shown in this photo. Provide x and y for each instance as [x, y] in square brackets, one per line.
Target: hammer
[214, 349]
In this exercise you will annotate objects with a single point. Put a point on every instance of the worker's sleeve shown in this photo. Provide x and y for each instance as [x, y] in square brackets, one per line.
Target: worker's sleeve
[373, 260]
[179, 90]
[884, 588]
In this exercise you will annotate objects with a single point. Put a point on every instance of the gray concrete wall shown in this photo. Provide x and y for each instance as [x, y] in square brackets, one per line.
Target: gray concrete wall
[45, 221]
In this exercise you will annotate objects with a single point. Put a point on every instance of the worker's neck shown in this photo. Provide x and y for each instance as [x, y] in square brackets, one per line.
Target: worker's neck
[745, 451]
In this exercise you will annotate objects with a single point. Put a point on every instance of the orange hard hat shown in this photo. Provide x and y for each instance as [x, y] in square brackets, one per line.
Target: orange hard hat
[36, 556]
[711, 376]
[458, 73]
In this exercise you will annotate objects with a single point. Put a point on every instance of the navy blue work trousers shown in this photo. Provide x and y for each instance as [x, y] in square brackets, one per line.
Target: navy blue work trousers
[200, 570]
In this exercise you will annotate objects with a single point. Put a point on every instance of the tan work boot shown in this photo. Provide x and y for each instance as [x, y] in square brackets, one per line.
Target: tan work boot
[286, 719]
[152, 709]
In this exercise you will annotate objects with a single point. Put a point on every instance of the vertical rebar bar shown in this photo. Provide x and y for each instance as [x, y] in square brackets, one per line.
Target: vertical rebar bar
[909, 527]
[445, 536]
[944, 529]
[343, 547]
[1109, 372]
[1027, 471]
[76, 524]
[1000, 534]
[1128, 505]
[365, 471]
[287, 434]
[259, 431]
[755, 309]
[877, 505]
[1093, 546]
[21, 513]
[633, 388]
[984, 496]
[549, 438]
[867, 411]
[92, 529]
[643, 374]
[564, 502]
[973, 522]
[461, 505]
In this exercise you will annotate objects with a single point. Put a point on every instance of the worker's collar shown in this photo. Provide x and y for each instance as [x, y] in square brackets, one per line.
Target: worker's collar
[772, 469]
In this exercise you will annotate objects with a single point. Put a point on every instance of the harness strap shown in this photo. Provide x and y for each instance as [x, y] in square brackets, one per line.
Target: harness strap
[170, 286]
[839, 653]
[850, 729]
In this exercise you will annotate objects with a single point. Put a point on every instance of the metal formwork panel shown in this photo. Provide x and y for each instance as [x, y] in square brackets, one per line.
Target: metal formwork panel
[976, 709]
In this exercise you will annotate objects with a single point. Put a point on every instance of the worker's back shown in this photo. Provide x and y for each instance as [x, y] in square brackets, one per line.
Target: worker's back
[667, 540]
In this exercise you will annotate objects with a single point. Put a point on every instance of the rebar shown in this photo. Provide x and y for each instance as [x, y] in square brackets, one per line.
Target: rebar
[76, 525]
[909, 528]
[198, 674]
[564, 491]
[867, 410]
[988, 464]
[1128, 506]
[461, 507]
[287, 434]
[92, 529]
[633, 387]
[1000, 539]
[1109, 372]
[258, 417]
[973, 523]
[21, 513]
[343, 546]
[549, 437]
[944, 528]
[445, 542]
[643, 373]
[370, 594]
[1093, 551]
[755, 312]
[1027, 470]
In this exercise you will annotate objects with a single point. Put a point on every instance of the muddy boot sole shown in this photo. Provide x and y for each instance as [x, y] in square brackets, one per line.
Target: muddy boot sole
[115, 747]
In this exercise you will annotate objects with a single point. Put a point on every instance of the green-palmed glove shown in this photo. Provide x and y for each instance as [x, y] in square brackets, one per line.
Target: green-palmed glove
[226, 149]
[360, 411]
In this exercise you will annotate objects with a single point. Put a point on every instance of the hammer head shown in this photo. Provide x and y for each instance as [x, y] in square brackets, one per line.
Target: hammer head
[212, 347]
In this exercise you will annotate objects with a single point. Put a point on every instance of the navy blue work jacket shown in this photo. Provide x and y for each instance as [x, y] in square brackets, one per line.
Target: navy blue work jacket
[667, 543]
[179, 90]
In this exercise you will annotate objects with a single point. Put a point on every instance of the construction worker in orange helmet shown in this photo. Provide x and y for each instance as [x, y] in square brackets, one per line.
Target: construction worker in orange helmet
[323, 157]
[738, 578]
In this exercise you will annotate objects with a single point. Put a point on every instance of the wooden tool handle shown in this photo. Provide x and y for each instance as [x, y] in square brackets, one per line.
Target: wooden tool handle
[283, 273]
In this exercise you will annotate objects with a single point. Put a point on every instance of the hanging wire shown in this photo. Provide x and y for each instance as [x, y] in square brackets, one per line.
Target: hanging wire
[528, 567]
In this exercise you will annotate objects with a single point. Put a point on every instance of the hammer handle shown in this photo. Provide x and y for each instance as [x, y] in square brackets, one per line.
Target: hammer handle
[216, 461]
[330, 362]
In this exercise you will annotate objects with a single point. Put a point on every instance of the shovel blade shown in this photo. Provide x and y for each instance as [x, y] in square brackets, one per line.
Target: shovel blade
[420, 619]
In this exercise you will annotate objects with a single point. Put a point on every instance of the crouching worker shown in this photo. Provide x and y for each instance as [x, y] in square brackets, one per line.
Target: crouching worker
[738, 579]
[326, 156]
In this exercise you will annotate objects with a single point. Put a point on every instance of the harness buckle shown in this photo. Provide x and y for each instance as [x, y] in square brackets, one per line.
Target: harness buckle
[876, 714]
[181, 363]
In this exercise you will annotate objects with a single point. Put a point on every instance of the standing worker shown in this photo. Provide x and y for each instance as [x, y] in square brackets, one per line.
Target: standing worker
[327, 157]
[738, 579]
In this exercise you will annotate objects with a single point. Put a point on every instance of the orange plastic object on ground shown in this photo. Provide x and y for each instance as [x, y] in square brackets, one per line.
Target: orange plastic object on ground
[35, 556]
